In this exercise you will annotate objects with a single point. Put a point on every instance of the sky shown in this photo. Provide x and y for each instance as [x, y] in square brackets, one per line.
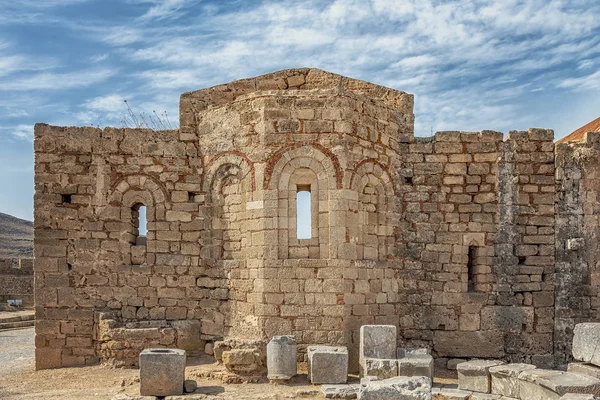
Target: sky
[471, 64]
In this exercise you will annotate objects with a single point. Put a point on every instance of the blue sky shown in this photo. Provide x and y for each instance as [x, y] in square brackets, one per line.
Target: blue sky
[472, 64]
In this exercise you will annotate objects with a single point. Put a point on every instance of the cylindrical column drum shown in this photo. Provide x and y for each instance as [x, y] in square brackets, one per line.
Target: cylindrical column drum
[281, 358]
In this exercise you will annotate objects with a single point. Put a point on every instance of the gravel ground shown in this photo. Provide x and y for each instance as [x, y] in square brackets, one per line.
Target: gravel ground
[16, 351]
[19, 380]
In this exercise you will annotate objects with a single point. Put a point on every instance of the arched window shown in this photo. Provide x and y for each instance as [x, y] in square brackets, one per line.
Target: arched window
[139, 222]
[303, 212]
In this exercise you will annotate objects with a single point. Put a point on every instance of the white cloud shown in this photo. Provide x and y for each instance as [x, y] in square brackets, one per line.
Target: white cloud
[107, 103]
[21, 132]
[57, 81]
[587, 82]
[163, 9]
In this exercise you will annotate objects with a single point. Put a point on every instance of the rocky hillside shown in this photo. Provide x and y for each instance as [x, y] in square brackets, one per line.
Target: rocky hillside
[16, 237]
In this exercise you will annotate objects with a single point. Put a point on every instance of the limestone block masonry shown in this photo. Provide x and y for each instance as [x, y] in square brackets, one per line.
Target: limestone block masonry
[451, 239]
[16, 281]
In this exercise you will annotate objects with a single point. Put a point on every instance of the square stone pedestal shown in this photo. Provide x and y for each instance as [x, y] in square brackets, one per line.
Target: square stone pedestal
[162, 372]
[327, 364]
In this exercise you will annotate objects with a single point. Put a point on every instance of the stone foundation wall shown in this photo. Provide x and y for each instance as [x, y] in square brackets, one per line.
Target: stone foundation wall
[16, 280]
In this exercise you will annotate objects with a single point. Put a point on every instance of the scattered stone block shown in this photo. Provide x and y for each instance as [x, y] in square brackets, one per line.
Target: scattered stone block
[584, 369]
[397, 388]
[505, 379]
[416, 364]
[450, 394]
[209, 349]
[281, 358]
[188, 335]
[475, 376]
[577, 396]
[380, 368]
[544, 384]
[344, 391]
[586, 337]
[327, 364]
[162, 372]
[302, 393]
[376, 341]
[190, 386]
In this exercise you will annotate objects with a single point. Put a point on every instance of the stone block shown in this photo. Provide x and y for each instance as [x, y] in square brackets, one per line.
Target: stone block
[188, 335]
[505, 378]
[327, 364]
[545, 384]
[475, 376]
[586, 337]
[584, 369]
[380, 368]
[578, 396]
[397, 388]
[162, 372]
[242, 361]
[416, 365]
[450, 394]
[344, 391]
[281, 358]
[376, 341]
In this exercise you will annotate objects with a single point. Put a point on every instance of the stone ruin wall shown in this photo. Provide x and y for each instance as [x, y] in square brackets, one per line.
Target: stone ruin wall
[577, 239]
[16, 281]
[450, 238]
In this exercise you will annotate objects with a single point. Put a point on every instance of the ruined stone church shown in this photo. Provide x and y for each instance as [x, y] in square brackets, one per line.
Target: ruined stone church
[471, 243]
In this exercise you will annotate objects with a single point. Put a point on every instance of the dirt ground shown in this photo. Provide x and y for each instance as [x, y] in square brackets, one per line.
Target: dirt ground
[19, 380]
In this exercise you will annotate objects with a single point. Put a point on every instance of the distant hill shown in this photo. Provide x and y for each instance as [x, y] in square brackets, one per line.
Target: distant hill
[16, 237]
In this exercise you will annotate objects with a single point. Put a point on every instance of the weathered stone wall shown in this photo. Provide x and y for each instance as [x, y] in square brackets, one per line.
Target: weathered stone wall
[478, 203]
[16, 280]
[450, 238]
[577, 238]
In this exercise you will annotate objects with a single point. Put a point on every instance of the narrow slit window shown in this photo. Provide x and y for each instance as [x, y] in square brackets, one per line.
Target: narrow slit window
[471, 269]
[139, 224]
[303, 213]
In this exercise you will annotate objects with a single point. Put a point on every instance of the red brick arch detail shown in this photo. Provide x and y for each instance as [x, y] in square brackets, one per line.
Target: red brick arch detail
[236, 153]
[372, 161]
[339, 173]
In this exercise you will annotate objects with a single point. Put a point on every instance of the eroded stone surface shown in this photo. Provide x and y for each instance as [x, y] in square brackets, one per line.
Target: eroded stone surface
[586, 339]
[327, 364]
[281, 358]
[450, 394]
[340, 391]
[541, 384]
[475, 376]
[380, 368]
[376, 342]
[416, 364]
[397, 388]
[505, 378]
[584, 369]
[162, 372]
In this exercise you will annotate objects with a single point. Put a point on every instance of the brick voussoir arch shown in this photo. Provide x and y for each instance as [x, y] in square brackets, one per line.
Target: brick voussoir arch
[373, 167]
[222, 159]
[278, 161]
